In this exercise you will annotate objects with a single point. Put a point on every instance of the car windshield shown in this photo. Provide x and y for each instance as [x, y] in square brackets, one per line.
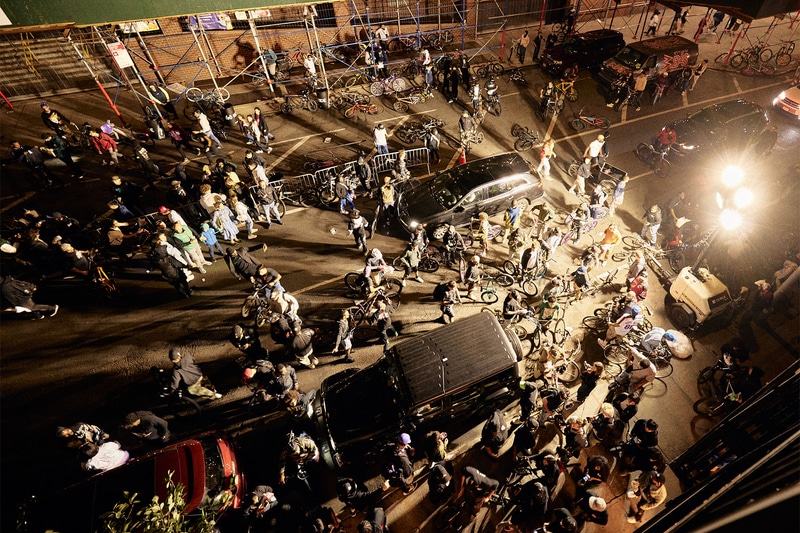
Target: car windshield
[215, 471]
[447, 190]
[365, 405]
[706, 118]
[631, 58]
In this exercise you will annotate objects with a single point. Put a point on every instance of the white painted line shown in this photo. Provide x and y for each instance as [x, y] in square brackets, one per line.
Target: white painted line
[324, 133]
[288, 152]
[17, 201]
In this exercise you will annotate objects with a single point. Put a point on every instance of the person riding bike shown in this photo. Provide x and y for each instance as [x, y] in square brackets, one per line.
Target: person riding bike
[300, 451]
[467, 127]
[453, 242]
[492, 97]
[665, 139]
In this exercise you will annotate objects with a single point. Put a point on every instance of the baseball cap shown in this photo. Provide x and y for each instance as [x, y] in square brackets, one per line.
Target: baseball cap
[597, 504]
[405, 438]
[669, 336]
[45, 104]
[163, 209]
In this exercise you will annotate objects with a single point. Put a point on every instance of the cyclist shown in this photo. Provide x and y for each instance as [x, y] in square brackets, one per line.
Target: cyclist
[580, 281]
[618, 329]
[547, 94]
[661, 83]
[665, 139]
[453, 242]
[492, 97]
[374, 270]
[479, 488]
[300, 450]
[512, 307]
[580, 217]
[473, 275]
[467, 127]
[477, 101]
[571, 74]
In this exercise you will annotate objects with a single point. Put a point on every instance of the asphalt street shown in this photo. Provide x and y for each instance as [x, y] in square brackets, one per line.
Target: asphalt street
[91, 361]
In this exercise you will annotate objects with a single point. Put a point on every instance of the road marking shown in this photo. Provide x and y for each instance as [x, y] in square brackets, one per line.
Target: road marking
[18, 201]
[306, 137]
[288, 152]
[685, 98]
[316, 285]
[736, 84]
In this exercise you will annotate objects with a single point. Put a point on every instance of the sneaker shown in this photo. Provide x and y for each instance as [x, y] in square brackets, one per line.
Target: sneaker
[609, 105]
[217, 395]
[202, 270]
[279, 222]
[603, 343]
[261, 218]
[638, 109]
[190, 277]
[419, 279]
[604, 263]
[259, 151]
[348, 359]
[269, 150]
[208, 262]
[79, 177]
[208, 150]
[55, 310]
[199, 151]
[255, 230]
[403, 282]
[251, 235]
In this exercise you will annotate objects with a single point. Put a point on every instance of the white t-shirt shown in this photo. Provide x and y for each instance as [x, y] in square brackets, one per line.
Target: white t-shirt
[380, 136]
[595, 148]
[308, 62]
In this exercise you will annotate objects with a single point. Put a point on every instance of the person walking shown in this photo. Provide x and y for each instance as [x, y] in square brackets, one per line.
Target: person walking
[432, 141]
[185, 371]
[450, 298]
[652, 221]
[191, 247]
[595, 149]
[344, 337]
[652, 25]
[639, 85]
[584, 172]
[205, 127]
[698, 71]
[268, 197]
[357, 227]
[410, 261]
[380, 140]
[524, 43]
[545, 155]
[618, 196]
[611, 237]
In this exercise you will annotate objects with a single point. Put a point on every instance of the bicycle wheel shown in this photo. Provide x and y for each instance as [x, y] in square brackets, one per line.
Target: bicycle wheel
[616, 354]
[489, 296]
[392, 293]
[622, 257]
[376, 88]
[710, 407]
[281, 205]
[497, 68]
[428, 264]
[184, 406]
[765, 55]
[559, 331]
[261, 316]
[536, 338]
[510, 267]
[644, 152]
[664, 367]
[517, 130]
[479, 137]
[767, 70]
[400, 107]
[720, 59]
[736, 61]
[374, 109]
[327, 196]
[783, 59]
[498, 108]
[529, 287]
[308, 198]
[350, 112]
[248, 306]
[747, 70]
[398, 85]
[193, 94]
[633, 242]
[676, 260]
[662, 168]
[353, 281]
[482, 72]
[522, 145]
[286, 108]
[572, 95]
[595, 323]
[572, 169]
[504, 280]
[312, 106]
[577, 124]
[222, 94]
[568, 372]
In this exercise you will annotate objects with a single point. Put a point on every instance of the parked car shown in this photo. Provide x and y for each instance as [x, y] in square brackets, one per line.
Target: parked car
[588, 50]
[462, 192]
[727, 126]
[206, 466]
[670, 54]
[469, 367]
[789, 101]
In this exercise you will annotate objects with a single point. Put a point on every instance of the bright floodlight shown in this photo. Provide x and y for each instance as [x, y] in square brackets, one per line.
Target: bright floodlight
[742, 198]
[730, 219]
[732, 176]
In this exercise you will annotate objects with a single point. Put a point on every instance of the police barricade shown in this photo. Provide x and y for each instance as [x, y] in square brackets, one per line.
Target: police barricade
[414, 157]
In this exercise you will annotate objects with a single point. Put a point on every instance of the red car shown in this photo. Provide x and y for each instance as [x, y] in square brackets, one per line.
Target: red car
[206, 466]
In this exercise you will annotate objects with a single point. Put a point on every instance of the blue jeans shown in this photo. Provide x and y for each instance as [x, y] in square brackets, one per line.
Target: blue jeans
[210, 135]
[382, 148]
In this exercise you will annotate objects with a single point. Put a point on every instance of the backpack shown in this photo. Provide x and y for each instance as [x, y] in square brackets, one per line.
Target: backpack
[495, 422]
[439, 292]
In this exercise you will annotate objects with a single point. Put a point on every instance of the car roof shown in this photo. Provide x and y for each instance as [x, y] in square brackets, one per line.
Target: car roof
[452, 356]
[595, 35]
[78, 507]
[667, 43]
[483, 171]
[735, 109]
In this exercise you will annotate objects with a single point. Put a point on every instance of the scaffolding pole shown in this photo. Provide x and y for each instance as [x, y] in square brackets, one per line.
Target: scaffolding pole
[203, 55]
[92, 73]
[149, 56]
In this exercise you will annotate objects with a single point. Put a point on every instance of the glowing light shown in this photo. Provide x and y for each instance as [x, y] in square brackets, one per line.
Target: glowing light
[742, 198]
[730, 219]
[732, 176]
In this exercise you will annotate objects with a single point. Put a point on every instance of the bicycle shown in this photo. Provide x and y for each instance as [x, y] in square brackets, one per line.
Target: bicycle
[440, 39]
[348, 98]
[581, 121]
[359, 78]
[473, 236]
[492, 67]
[466, 140]
[758, 51]
[403, 43]
[755, 66]
[517, 77]
[313, 165]
[306, 102]
[294, 59]
[388, 293]
[784, 54]
[411, 68]
[512, 324]
[180, 404]
[257, 302]
[369, 109]
[525, 138]
[327, 187]
[217, 96]
[553, 107]
[389, 85]
[489, 288]
[588, 225]
[655, 159]
[415, 96]
[567, 88]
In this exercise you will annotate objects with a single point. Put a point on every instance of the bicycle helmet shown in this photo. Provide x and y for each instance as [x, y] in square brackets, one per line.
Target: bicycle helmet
[636, 310]
[376, 253]
[345, 488]
[475, 259]
[174, 354]
[465, 114]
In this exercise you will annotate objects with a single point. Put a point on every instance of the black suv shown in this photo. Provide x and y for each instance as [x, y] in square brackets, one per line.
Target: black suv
[588, 50]
[466, 368]
[724, 127]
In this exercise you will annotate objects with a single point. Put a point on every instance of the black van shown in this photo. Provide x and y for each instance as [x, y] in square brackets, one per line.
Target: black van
[671, 53]
[587, 49]
[466, 368]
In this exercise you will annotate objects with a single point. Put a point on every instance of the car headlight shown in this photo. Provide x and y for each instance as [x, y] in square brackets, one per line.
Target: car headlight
[413, 224]
[782, 95]
[556, 62]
